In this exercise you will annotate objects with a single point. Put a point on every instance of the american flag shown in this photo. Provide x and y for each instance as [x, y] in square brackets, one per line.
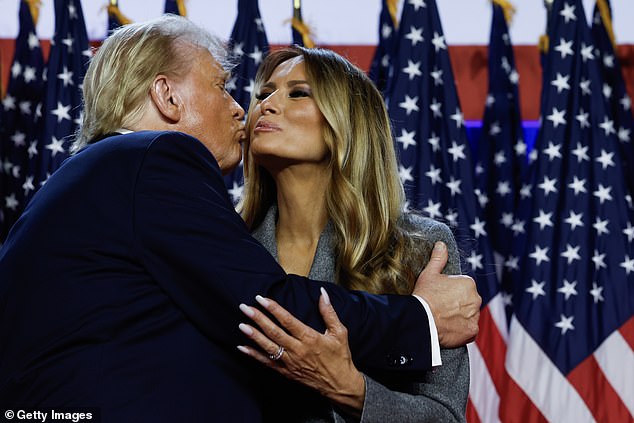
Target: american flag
[65, 71]
[380, 66]
[176, 7]
[620, 104]
[249, 45]
[18, 136]
[570, 349]
[435, 159]
[301, 33]
[500, 169]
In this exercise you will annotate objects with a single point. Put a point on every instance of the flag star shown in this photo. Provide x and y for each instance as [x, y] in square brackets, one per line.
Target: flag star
[607, 91]
[561, 82]
[478, 227]
[568, 289]
[406, 138]
[236, 192]
[436, 108]
[48, 175]
[626, 102]
[507, 298]
[256, 55]
[482, 198]
[596, 292]
[437, 75]
[568, 12]
[552, 151]
[536, 289]
[452, 218]
[574, 220]
[11, 202]
[624, 134]
[417, 4]
[6, 165]
[72, 11]
[608, 61]
[258, 23]
[503, 188]
[385, 60]
[415, 35]
[237, 49]
[56, 146]
[514, 77]
[410, 104]
[18, 139]
[434, 141]
[32, 149]
[603, 193]
[434, 174]
[525, 191]
[520, 148]
[548, 185]
[68, 42]
[386, 31]
[512, 263]
[479, 169]
[475, 260]
[458, 117]
[457, 151]
[581, 152]
[565, 48]
[231, 84]
[432, 209]
[585, 87]
[605, 159]
[28, 186]
[499, 158]
[8, 102]
[87, 53]
[583, 117]
[598, 260]
[544, 219]
[586, 52]
[454, 186]
[61, 112]
[16, 69]
[565, 324]
[495, 129]
[608, 126]
[628, 264]
[29, 74]
[439, 42]
[601, 226]
[405, 173]
[250, 86]
[505, 64]
[15, 171]
[507, 219]
[571, 253]
[490, 101]
[33, 41]
[412, 69]
[66, 76]
[629, 231]
[557, 117]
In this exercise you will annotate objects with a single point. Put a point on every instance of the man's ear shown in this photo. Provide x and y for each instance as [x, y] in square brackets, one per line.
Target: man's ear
[165, 97]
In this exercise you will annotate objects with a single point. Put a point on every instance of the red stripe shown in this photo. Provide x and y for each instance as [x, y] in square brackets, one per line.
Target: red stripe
[602, 400]
[516, 407]
[627, 331]
[472, 413]
[493, 348]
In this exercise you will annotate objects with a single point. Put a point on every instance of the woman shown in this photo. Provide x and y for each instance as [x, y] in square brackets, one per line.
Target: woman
[323, 195]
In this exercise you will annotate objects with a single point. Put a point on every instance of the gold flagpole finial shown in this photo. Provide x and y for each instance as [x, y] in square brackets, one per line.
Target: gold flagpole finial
[34, 6]
[114, 11]
[182, 10]
[392, 7]
[507, 8]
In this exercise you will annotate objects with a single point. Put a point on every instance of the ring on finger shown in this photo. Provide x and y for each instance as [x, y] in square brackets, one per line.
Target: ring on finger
[278, 354]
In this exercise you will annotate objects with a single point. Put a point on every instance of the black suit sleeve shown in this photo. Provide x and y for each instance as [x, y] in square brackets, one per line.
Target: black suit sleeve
[201, 253]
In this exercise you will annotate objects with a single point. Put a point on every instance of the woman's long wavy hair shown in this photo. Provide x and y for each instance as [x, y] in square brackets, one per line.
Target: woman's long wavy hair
[378, 250]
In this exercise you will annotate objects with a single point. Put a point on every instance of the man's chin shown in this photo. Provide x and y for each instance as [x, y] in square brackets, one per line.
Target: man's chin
[227, 168]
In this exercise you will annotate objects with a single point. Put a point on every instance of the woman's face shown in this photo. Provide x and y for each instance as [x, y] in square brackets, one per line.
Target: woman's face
[286, 126]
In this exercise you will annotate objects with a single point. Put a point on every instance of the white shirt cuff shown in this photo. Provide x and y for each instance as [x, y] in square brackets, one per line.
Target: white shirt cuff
[435, 344]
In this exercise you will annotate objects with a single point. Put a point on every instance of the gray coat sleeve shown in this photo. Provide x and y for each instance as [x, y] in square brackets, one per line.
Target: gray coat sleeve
[442, 395]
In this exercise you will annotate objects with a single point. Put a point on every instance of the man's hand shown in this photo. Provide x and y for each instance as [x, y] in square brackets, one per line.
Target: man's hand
[453, 299]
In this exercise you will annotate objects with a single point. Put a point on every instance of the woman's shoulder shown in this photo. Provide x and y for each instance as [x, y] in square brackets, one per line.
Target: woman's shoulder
[432, 230]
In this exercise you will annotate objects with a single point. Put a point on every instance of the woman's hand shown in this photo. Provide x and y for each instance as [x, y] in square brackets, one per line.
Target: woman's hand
[320, 361]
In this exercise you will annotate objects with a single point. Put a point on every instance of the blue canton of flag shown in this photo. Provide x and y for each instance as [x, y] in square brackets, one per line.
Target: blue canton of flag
[501, 157]
[575, 279]
[380, 66]
[249, 45]
[115, 17]
[176, 7]
[68, 60]
[20, 109]
[435, 161]
[614, 90]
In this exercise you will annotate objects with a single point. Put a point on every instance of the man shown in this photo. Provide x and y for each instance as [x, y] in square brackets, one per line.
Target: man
[120, 284]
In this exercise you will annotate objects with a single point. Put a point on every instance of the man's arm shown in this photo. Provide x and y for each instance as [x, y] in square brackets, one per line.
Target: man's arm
[199, 250]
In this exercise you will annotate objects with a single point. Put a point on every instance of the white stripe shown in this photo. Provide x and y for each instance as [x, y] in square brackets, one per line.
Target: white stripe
[541, 380]
[616, 359]
[498, 313]
[484, 396]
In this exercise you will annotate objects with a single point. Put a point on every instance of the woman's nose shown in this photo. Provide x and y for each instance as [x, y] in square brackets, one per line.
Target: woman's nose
[269, 104]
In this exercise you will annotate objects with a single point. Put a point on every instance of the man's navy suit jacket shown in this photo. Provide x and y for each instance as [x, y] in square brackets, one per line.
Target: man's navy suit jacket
[120, 286]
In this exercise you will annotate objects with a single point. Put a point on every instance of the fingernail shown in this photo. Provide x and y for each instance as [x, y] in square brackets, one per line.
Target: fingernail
[245, 329]
[439, 246]
[325, 295]
[247, 310]
[263, 301]
[243, 349]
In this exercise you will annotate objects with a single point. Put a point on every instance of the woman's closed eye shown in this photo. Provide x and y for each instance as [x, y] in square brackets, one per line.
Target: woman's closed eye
[299, 92]
[262, 95]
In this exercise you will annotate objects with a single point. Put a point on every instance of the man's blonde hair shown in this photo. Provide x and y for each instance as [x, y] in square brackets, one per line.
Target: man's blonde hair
[377, 250]
[120, 75]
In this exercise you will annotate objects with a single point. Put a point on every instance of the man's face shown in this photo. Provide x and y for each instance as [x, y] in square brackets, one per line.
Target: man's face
[209, 112]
